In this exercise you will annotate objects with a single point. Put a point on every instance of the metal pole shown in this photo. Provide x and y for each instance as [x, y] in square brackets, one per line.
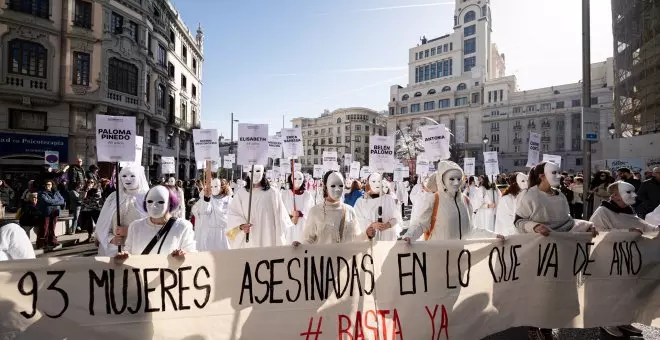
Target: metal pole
[586, 96]
[231, 145]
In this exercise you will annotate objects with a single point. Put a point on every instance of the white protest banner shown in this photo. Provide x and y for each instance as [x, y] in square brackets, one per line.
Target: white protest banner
[52, 159]
[115, 138]
[252, 144]
[228, 161]
[167, 165]
[354, 170]
[286, 167]
[365, 172]
[421, 165]
[468, 166]
[436, 141]
[454, 288]
[381, 154]
[400, 173]
[634, 164]
[139, 144]
[318, 171]
[270, 174]
[552, 158]
[348, 159]
[330, 166]
[491, 163]
[274, 147]
[534, 149]
[293, 145]
[205, 142]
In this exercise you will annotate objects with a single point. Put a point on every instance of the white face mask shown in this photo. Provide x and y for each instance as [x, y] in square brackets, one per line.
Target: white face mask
[335, 186]
[385, 187]
[129, 179]
[552, 174]
[347, 187]
[258, 174]
[298, 180]
[521, 179]
[158, 201]
[375, 183]
[171, 181]
[216, 185]
[627, 193]
[452, 181]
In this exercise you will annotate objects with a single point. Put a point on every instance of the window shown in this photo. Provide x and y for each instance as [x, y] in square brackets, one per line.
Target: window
[431, 91]
[194, 91]
[117, 23]
[184, 110]
[418, 94]
[429, 106]
[27, 58]
[366, 128]
[469, 17]
[426, 54]
[322, 142]
[461, 101]
[366, 139]
[446, 89]
[81, 68]
[578, 161]
[516, 148]
[194, 66]
[490, 96]
[559, 105]
[184, 84]
[501, 95]
[405, 97]
[594, 100]
[160, 96]
[162, 56]
[445, 48]
[470, 30]
[475, 98]
[184, 53]
[170, 142]
[338, 140]
[27, 120]
[517, 109]
[358, 150]
[444, 103]
[153, 136]
[347, 139]
[531, 108]
[170, 70]
[403, 110]
[433, 51]
[576, 103]
[338, 129]
[358, 127]
[495, 96]
[469, 63]
[358, 139]
[172, 37]
[545, 107]
[461, 87]
[38, 8]
[82, 14]
[122, 76]
[469, 46]
[414, 108]
[134, 30]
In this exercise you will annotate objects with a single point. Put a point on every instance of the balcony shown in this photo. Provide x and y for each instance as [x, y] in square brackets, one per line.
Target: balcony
[545, 139]
[495, 129]
[26, 82]
[179, 123]
[517, 127]
[123, 97]
[531, 126]
[545, 125]
[517, 141]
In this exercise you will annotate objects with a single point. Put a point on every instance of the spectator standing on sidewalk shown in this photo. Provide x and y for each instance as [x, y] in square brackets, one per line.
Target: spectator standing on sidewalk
[75, 204]
[648, 195]
[92, 203]
[76, 174]
[49, 203]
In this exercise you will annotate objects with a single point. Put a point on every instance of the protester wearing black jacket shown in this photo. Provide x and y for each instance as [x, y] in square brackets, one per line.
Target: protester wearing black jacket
[648, 195]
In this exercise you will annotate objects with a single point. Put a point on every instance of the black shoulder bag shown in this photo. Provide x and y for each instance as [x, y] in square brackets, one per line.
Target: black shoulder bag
[161, 235]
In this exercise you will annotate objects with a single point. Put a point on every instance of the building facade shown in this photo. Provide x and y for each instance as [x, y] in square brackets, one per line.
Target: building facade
[459, 80]
[64, 62]
[342, 130]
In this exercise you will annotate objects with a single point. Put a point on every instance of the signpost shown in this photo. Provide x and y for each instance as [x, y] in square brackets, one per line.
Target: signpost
[590, 124]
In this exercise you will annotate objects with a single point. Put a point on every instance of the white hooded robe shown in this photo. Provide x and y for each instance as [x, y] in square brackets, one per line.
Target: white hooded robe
[269, 219]
[366, 209]
[211, 223]
[142, 231]
[15, 243]
[304, 203]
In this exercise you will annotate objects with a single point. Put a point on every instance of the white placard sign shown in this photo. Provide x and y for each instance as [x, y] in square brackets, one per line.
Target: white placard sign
[139, 142]
[167, 165]
[292, 143]
[348, 159]
[491, 163]
[115, 138]
[365, 172]
[228, 161]
[269, 174]
[205, 142]
[330, 166]
[355, 170]
[215, 165]
[422, 166]
[400, 173]
[436, 141]
[252, 144]
[469, 165]
[381, 154]
[329, 156]
[534, 149]
[274, 147]
[318, 171]
[552, 158]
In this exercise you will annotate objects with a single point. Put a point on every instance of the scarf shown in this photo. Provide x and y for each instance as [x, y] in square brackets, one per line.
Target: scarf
[628, 210]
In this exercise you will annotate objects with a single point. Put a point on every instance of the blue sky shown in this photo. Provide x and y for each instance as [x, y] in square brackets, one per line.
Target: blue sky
[266, 58]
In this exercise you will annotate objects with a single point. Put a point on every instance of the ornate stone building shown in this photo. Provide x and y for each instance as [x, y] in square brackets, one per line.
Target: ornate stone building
[63, 62]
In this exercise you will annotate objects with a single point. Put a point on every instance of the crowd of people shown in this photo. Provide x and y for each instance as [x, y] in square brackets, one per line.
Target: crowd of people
[175, 217]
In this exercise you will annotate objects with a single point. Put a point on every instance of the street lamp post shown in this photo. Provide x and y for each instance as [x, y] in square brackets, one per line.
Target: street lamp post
[485, 141]
[231, 143]
[612, 130]
[586, 96]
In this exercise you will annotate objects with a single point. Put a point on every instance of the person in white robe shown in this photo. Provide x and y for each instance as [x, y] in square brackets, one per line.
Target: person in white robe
[298, 202]
[14, 243]
[268, 220]
[181, 210]
[617, 214]
[418, 199]
[167, 234]
[445, 216]
[506, 209]
[402, 193]
[484, 204]
[133, 186]
[211, 217]
[332, 221]
[379, 210]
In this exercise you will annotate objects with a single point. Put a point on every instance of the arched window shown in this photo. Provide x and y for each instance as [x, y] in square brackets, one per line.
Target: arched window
[446, 89]
[122, 76]
[418, 94]
[469, 16]
[338, 120]
[405, 97]
[461, 87]
[431, 91]
[27, 58]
